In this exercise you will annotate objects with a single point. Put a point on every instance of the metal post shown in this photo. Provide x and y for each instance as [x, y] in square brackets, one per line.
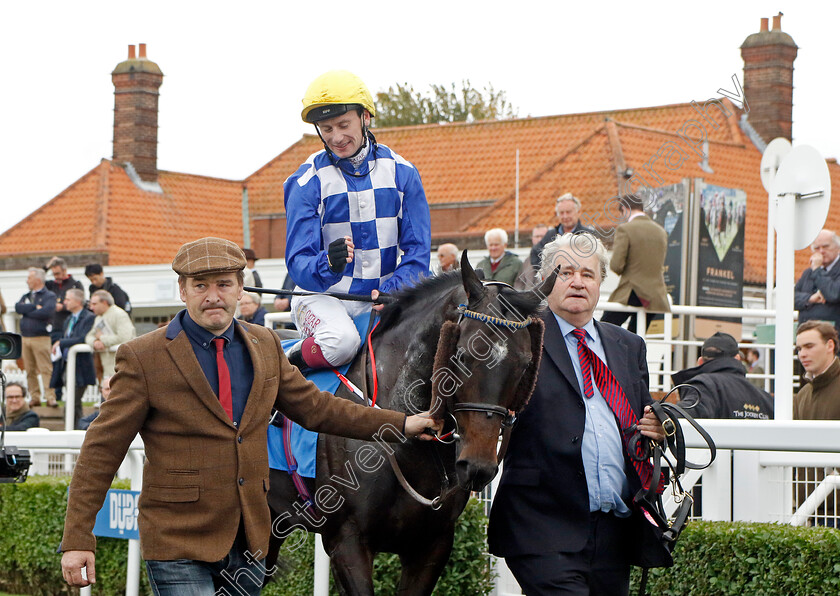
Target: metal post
[783, 409]
[132, 574]
[516, 229]
[322, 569]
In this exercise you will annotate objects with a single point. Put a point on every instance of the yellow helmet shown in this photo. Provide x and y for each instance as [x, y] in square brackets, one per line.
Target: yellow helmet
[332, 94]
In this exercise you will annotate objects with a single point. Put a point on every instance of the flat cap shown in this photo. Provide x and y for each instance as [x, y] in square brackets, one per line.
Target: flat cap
[720, 345]
[208, 255]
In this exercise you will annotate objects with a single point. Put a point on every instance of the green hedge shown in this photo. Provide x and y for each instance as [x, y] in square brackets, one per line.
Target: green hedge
[746, 559]
[467, 572]
[32, 521]
[31, 524]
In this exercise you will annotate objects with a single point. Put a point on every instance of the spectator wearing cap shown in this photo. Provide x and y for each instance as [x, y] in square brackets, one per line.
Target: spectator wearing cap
[61, 282]
[251, 311]
[638, 257]
[200, 393]
[18, 414]
[567, 209]
[98, 281]
[252, 276]
[37, 308]
[500, 264]
[719, 385]
[816, 347]
[111, 327]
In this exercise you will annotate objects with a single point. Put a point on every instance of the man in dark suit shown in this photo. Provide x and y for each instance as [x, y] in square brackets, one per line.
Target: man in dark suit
[638, 257]
[562, 514]
[817, 293]
[200, 393]
[567, 209]
[76, 327]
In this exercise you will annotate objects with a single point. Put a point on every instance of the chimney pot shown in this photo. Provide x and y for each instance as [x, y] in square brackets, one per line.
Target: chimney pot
[131, 52]
[764, 25]
[777, 22]
[142, 50]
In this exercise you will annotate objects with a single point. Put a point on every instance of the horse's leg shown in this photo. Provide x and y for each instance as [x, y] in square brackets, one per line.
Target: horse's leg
[421, 568]
[351, 562]
[284, 518]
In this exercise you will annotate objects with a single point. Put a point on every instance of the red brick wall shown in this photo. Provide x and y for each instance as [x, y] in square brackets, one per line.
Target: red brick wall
[768, 87]
[136, 121]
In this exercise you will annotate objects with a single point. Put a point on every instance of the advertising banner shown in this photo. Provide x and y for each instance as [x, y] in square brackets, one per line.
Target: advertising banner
[720, 255]
[118, 516]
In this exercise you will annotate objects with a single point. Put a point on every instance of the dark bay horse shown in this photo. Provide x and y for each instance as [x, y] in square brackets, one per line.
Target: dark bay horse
[467, 351]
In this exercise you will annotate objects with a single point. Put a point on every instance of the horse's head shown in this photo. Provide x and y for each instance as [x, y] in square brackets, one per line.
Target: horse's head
[485, 369]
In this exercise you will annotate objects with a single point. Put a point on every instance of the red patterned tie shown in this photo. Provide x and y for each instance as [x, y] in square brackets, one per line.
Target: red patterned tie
[225, 392]
[615, 398]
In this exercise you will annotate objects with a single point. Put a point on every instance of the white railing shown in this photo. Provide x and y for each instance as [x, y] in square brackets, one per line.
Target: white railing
[661, 366]
[42, 441]
[751, 479]
[70, 385]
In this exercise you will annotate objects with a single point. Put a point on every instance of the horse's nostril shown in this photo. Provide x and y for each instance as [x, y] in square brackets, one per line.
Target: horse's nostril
[474, 475]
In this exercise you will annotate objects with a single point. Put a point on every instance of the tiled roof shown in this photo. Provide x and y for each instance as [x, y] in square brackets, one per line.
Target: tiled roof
[104, 211]
[466, 162]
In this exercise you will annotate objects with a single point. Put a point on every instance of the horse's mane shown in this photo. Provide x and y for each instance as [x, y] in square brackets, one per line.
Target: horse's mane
[428, 290]
[516, 305]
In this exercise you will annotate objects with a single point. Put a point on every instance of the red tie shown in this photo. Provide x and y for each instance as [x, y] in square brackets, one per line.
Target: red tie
[225, 393]
[615, 398]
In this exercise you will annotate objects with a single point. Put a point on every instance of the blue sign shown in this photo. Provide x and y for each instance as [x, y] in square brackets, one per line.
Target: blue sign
[118, 517]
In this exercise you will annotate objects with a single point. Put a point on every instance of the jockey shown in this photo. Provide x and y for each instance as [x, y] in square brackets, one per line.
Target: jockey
[357, 221]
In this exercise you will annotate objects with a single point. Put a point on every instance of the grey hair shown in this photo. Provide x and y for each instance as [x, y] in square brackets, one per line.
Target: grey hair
[255, 298]
[448, 248]
[568, 197]
[57, 262]
[39, 273]
[575, 246]
[496, 231]
[105, 296]
[79, 294]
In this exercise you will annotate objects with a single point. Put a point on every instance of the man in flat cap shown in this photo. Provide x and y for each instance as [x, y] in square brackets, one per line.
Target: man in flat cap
[720, 385]
[200, 392]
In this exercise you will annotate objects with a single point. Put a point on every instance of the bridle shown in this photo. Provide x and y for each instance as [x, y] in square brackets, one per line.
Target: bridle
[490, 410]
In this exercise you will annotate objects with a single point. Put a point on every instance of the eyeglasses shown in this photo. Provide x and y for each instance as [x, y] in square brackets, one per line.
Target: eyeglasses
[14, 397]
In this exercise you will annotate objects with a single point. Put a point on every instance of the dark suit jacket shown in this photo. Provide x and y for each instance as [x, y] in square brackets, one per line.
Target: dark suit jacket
[85, 373]
[542, 505]
[827, 282]
[202, 473]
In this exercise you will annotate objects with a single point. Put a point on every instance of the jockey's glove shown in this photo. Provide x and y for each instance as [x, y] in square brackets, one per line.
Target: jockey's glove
[337, 255]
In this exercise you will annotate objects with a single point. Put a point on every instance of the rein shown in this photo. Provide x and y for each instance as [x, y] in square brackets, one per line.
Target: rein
[490, 410]
[383, 298]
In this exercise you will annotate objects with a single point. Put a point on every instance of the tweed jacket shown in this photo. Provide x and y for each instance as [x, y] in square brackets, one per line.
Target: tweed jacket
[639, 257]
[202, 473]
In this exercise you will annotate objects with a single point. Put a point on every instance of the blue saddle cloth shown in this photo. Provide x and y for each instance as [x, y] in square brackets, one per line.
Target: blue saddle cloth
[304, 442]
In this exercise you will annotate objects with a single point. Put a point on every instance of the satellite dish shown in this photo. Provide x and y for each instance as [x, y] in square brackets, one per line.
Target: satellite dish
[804, 173]
[772, 158]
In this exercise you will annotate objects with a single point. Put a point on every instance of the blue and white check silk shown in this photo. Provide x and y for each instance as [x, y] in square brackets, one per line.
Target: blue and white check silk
[382, 208]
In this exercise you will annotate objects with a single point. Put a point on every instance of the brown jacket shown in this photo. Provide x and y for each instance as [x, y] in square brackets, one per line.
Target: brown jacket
[639, 257]
[202, 474]
[820, 399]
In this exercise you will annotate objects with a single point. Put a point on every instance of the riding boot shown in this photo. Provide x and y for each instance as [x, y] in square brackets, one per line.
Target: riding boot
[295, 357]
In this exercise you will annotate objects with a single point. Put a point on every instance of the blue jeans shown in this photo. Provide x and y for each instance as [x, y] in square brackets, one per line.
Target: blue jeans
[238, 574]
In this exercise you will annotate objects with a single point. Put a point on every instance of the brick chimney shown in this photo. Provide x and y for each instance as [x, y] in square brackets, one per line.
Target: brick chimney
[136, 83]
[768, 80]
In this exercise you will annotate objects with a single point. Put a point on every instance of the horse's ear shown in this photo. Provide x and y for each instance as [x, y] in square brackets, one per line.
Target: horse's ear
[547, 285]
[472, 285]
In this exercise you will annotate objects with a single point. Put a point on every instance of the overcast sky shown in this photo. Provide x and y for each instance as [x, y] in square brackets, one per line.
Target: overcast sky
[235, 72]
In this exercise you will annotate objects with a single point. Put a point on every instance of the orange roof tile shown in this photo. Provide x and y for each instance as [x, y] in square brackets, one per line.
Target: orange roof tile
[104, 211]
